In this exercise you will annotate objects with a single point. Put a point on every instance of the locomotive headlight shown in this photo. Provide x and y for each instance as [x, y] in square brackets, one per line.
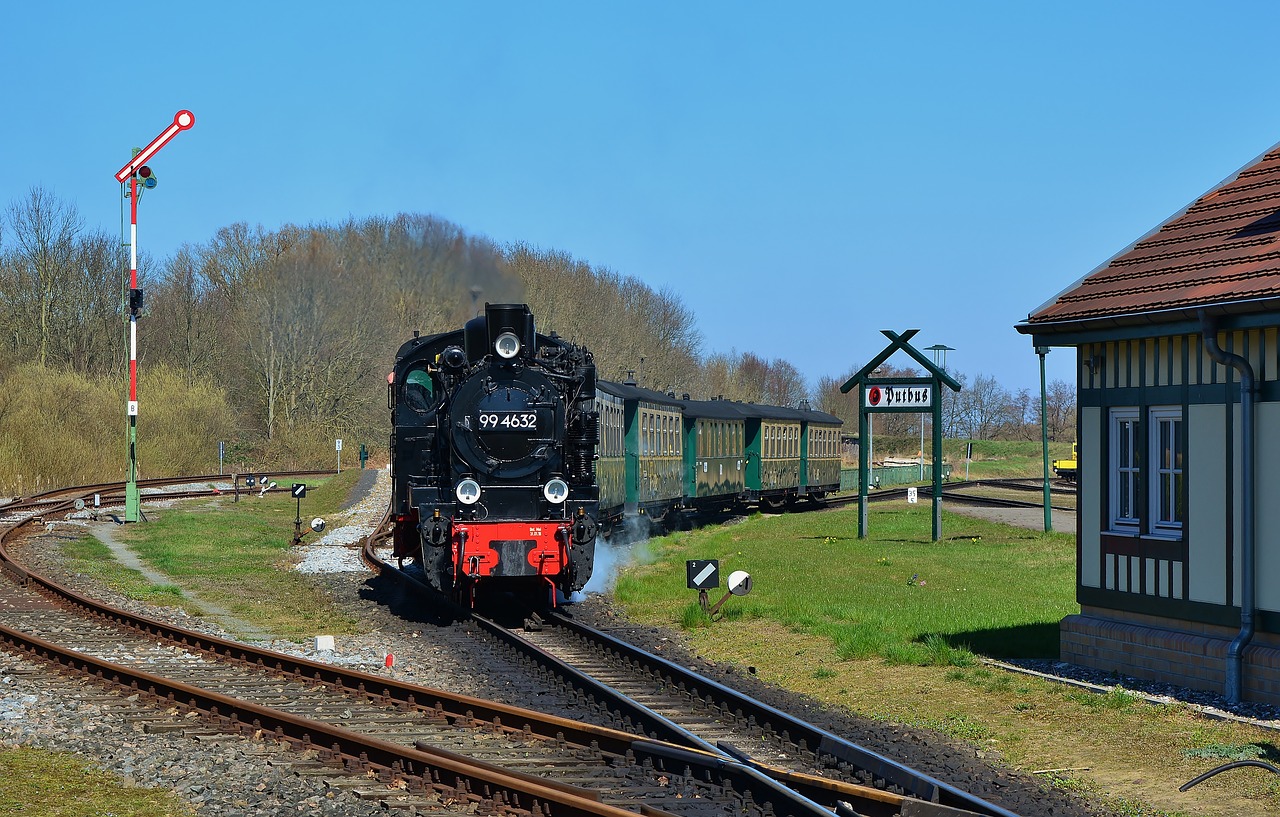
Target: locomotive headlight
[507, 345]
[556, 491]
[468, 492]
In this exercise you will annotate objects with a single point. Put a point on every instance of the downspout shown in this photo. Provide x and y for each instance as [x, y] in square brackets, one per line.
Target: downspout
[1248, 390]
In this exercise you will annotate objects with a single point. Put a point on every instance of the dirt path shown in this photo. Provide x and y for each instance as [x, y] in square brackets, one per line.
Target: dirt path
[105, 533]
[1063, 521]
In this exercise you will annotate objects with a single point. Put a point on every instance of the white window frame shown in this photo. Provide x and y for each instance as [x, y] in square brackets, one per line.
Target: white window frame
[1166, 472]
[1125, 476]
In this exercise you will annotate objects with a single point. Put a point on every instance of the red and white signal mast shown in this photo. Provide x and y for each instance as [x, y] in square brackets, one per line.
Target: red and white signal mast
[137, 173]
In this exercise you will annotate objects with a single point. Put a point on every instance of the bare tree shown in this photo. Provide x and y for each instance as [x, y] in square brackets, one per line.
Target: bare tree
[1061, 399]
[45, 231]
[184, 318]
[310, 339]
[87, 331]
[986, 410]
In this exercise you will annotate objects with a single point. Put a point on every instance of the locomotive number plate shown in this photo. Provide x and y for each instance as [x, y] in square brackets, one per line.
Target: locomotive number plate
[508, 421]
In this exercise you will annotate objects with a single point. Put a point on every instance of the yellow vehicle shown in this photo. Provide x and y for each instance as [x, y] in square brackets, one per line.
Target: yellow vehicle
[1066, 469]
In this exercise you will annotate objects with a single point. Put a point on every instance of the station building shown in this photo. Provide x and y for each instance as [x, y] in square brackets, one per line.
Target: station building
[1177, 346]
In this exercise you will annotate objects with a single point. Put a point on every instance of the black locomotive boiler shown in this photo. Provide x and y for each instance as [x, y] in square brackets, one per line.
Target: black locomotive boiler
[493, 453]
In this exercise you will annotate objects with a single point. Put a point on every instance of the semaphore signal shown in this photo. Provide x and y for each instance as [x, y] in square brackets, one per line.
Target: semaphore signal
[136, 172]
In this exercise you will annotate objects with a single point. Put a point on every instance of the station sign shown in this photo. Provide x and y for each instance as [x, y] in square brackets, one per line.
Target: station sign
[883, 397]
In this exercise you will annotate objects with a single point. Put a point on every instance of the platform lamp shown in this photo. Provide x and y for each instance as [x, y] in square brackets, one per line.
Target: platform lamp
[939, 350]
[1044, 439]
[135, 177]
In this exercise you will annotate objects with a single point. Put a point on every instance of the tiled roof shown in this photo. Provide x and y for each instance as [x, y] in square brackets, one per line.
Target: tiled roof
[1220, 252]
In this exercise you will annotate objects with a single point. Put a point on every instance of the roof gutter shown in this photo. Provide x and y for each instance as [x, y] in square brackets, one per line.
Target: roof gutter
[1236, 309]
[1248, 393]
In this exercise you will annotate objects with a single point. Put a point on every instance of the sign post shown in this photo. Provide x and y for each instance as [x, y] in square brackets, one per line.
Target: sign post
[337, 444]
[135, 169]
[900, 395]
[299, 492]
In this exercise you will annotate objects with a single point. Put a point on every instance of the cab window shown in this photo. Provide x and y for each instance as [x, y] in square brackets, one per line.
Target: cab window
[419, 391]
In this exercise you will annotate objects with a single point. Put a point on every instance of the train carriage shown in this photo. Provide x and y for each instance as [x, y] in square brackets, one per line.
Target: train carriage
[820, 456]
[651, 431]
[715, 470]
[611, 454]
[658, 483]
[773, 454]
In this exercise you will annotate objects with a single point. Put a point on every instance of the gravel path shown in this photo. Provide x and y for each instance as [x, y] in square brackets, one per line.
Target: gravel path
[1033, 518]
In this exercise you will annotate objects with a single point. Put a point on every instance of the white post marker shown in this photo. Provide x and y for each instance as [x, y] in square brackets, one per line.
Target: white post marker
[337, 444]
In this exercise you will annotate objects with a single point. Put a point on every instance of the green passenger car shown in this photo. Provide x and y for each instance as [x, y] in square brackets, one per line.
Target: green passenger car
[819, 455]
[658, 454]
[640, 465]
[715, 458]
[658, 429]
[773, 455]
[611, 456]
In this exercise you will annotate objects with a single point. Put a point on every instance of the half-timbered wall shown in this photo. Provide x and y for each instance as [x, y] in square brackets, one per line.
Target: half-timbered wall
[1164, 401]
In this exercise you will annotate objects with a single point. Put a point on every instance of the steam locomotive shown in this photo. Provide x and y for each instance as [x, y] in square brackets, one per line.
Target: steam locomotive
[493, 456]
[508, 456]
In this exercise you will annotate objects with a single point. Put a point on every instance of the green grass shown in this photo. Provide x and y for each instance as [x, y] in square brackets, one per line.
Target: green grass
[985, 588]
[822, 598]
[54, 784]
[235, 555]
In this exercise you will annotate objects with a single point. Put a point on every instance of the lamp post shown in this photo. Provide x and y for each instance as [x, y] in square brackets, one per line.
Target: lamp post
[136, 168]
[939, 351]
[1044, 439]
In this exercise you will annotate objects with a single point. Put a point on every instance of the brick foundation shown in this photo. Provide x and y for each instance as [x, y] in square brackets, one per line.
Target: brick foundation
[1175, 652]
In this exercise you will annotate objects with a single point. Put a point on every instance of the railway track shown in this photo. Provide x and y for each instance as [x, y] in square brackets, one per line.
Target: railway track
[409, 746]
[643, 694]
[678, 743]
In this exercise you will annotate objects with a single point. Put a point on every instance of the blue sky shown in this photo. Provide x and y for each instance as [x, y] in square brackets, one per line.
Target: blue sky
[803, 175]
